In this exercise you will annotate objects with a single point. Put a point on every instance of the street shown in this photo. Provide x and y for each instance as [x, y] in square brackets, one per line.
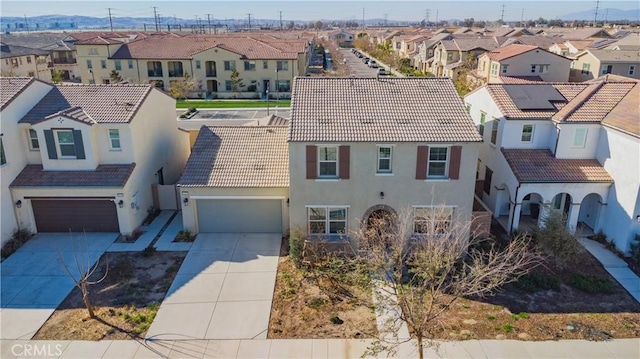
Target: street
[356, 66]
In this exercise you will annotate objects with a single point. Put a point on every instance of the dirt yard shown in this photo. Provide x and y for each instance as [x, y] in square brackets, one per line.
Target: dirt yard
[125, 303]
[301, 310]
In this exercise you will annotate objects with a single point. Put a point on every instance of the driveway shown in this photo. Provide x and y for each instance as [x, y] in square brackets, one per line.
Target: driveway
[34, 281]
[223, 289]
[357, 67]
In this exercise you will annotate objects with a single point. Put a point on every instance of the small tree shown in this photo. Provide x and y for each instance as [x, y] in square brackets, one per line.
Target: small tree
[236, 82]
[56, 76]
[556, 240]
[84, 270]
[183, 87]
[115, 76]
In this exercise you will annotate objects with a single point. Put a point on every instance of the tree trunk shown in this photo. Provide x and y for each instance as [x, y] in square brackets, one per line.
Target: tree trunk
[420, 347]
[85, 299]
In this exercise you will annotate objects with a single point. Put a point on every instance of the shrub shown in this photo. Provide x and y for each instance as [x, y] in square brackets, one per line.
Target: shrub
[296, 247]
[192, 109]
[18, 237]
[317, 302]
[183, 116]
[336, 320]
[635, 248]
[508, 328]
[534, 282]
[556, 241]
[591, 284]
[148, 251]
[187, 235]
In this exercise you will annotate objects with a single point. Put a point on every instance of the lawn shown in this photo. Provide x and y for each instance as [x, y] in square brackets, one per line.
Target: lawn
[125, 303]
[232, 103]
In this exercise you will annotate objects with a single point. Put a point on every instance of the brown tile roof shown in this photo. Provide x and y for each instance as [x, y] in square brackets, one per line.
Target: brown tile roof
[100, 41]
[520, 79]
[102, 103]
[278, 121]
[74, 113]
[540, 41]
[541, 166]
[486, 43]
[87, 35]
[506, 52]
[625, 116]
[102, 176]
[610, 56]
[384, 110]
[238, 157]
[580, 44]
[11, 87]
[594, 102]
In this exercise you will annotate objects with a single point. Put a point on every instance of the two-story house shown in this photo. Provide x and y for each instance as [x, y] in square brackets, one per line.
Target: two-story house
[20, 61]
[91, 155]
[561, 146]
[594, 63]
[522, 61]
[449, 55]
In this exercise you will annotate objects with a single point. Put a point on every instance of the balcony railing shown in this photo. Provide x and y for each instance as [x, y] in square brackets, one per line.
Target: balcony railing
[64, 61]
[152, 73]
[176, 73]
[211, 73]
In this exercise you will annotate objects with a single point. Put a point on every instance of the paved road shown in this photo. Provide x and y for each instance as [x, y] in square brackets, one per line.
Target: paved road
[357, 67]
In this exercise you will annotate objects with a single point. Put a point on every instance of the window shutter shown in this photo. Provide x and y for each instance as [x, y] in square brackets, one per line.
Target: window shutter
[51, 144]
[454, 162]
[421, 162]
[77, 139]
[312, 162]
[344, 158]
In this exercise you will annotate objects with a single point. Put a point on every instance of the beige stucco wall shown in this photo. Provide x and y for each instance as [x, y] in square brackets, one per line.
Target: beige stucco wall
[38, 67]
[521, 66]
[91, 160]
[189, 211]
[362, 190]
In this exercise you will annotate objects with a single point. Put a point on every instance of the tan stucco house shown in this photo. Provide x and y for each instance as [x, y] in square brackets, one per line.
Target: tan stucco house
[591, 64]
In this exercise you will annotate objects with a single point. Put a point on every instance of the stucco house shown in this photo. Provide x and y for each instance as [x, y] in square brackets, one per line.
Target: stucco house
[20, 61]
[573, 147]
[594, 63]
[89, 155]
[343, 38]
[450, 55]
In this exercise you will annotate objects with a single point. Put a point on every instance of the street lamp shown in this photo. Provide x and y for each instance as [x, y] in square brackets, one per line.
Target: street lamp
[277, 86]
[267, 91]
[93, 78]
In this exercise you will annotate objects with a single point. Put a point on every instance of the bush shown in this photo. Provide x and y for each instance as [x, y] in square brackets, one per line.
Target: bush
[183, 116]
[192, 109]
[591, 284]
[148, 251]
[296, 247]
[635, 249]
[317, 302]
[19, 237]
[534, 282]
[336, 320]
[556, 241]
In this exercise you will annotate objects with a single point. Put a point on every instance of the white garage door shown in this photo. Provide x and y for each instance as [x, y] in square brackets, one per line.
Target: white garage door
[240, 215]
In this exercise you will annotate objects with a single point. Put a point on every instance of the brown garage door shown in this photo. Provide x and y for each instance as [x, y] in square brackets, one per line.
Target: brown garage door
[75, 215]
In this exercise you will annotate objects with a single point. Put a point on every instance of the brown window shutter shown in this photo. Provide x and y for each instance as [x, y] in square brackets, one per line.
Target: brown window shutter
[421, 162]
[344, 158]
[454, 162]
[312, 162]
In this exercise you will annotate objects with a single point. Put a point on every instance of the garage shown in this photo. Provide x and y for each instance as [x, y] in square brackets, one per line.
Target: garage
[239, 215]
[76, 215]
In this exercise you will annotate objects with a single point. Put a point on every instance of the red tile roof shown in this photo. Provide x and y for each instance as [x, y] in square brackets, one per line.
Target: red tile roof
[520, 79]
[506, 52]
[541, 166]
[11, 87]
[102, 176]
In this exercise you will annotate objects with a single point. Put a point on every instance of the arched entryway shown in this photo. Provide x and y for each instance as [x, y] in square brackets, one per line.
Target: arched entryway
[379, 213]
[589, 212]
[530, 212]
[562, 202]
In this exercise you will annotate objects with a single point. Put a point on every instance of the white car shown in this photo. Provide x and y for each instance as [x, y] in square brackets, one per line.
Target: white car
[373, 64]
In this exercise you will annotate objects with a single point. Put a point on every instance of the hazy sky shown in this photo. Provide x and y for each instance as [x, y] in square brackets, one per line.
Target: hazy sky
[311, 10]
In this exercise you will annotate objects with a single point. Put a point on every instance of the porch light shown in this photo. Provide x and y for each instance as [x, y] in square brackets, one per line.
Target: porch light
[185, 201]
[381, 195]
[19, 203]
[288, 203]
[121, 204]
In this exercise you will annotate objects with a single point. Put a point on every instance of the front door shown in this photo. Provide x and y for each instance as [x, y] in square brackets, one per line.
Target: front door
[265, 87]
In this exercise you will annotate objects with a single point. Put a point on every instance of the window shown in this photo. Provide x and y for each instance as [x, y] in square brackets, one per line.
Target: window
[504, 69]
[543, 69]
[34, 145]
[198, 64]
[229, 65]
[114, 139]
[487, 180]
[527, 133]
[533, 68]
[66, 144]
[93, 51]
[130, 63]
[265, 64]
[328, 161]
[210, 68]
[468, 109]
[228, 85]
[3, 157]
[118, 65]
[432, 220]
[103, 64]
[450, 56]
[586, 68]
[28, 59]
[20, 59]
[327, 220]
[579, 137]
[494, 131]
[253, 87]
[607, 69]
[31, 74]
[483, 118]
[478, 166]
[282, 66]
[154, 68]
[89, 64]
[494, 69]
[384, 159]
[249, 65]
[283, 85]
[632, 69]
[437, 162]
[175, 69]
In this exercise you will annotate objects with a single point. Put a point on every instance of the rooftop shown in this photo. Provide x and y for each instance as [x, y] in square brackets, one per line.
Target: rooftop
[616, 55]
[7, 51]
[384, 110]
[11, 87]
[508, 51]
[238, 156]
[102, 176]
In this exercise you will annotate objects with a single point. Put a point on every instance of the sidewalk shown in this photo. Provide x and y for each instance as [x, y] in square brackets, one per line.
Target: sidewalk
[151, 232]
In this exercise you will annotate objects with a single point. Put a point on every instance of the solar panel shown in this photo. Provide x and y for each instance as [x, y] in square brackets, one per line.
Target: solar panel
[533, 97]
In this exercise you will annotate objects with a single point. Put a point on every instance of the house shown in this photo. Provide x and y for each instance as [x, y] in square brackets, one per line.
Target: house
[426, 50]
[361, 147]
[450, 55]
[87, 156]
[522, 60]
[20, 61]
[572, 147]
[343, 38]
[593, 63]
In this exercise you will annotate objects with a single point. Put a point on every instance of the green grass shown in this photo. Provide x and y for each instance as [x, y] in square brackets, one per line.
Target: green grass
[232, 103]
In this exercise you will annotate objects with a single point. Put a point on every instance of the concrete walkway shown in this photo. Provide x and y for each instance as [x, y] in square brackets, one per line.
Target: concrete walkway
[147, 237]
[315, 348]
[615, 266]
[165, 242]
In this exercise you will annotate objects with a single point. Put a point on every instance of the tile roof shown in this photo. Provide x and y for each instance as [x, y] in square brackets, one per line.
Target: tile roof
[238, 157]
[616, 55]
[99, 40]
[8, 51]
[626, 115]
[278, 121]
[540, 41]
[594, 102]
[384, 110]
[506, 52]
[102, 176]
[11, 87]
[467, 44]
[33, 40]
[509, 109]
[542, 167]
[74, 113]
[103, 103]
[520, 79]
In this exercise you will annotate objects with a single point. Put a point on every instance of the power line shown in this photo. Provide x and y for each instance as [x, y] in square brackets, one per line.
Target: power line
[280, 20]
[209, 22]
[522, 16]
[26, 24]
[362, 19]
[595, 18]
[437, 14]
[110, 20]
[155, 17]
[427, 13]
[249, 15]
[502, 14]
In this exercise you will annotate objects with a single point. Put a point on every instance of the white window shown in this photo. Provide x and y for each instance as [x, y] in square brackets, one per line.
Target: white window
[494, 69]
[282, 65]
[328, 161]
[586, 68]
[632, 69]
[432, 220]
[65, 143]
[3, 157]
[385, 154]
[34, 145]
[114, 139]
[198, 64]
[504, 69]
[606, 69]
[494, 131]
[543, 69]
[527, 133]
[437, 162]
[483, 119]
[327, 220]
[579, 137]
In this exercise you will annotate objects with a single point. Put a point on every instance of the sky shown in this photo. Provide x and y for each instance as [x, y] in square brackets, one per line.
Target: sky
[312, 10]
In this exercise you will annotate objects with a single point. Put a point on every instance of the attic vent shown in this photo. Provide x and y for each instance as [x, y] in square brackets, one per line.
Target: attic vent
[324, 120]
[446, 122]
[259, 167]
[270, 130]
[395, 91]
[366, 121]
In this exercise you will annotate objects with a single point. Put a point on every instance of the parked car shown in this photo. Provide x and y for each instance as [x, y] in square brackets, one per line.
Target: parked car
[359, 55]
[382, 71]
[365, 60]
[372, 64]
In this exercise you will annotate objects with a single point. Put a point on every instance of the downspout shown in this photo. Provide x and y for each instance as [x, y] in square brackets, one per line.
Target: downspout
[513, 209]
[555, 147]
[138, 68]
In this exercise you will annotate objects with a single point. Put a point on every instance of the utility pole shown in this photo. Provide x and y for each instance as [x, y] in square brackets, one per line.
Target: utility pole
[209, 22]
[280, 20]
[606, 15]
[110, 20]
[386, 16]
[522, 16]
[155, 17]
[26, 24]
[595, 18]
[363, 19]
[437, 14]
[427, 13]
[249, 15]
[502, 15]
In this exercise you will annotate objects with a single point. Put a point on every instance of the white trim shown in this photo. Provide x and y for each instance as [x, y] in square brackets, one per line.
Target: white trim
[432, 206]
[337, 162]
[327, 205]
[236, 197]
[111, 148]
[389, 174]
[328, 179]
[445, 176]
[378, 158]
[437, 180]
[30, 140]
[533, 130]
[59, 149]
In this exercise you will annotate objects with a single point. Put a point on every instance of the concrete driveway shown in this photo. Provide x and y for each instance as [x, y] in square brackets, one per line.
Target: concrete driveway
[223, 289]
[34, 282]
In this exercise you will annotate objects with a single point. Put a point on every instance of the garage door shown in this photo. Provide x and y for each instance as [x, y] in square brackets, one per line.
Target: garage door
[240, 215]
[75, 215]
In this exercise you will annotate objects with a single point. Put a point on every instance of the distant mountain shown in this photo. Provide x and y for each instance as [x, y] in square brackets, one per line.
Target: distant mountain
[610, 14]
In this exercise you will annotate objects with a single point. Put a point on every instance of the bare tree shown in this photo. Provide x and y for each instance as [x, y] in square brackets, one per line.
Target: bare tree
[85, 271]
[183, 87]
[428, 260]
